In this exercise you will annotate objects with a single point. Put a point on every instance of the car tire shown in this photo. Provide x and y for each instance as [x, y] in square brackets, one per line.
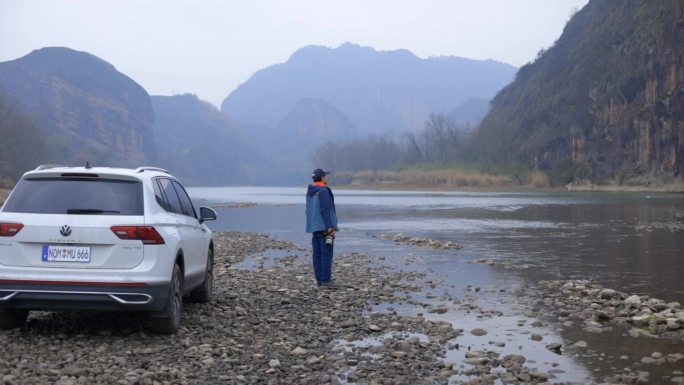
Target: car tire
[204, 293]
[12, 318]
[169, 320]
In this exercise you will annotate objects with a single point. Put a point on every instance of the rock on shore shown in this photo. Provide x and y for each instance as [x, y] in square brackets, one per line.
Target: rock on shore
[423, 242]
[600, 306]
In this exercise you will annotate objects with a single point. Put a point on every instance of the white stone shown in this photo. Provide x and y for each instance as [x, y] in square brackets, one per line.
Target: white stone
[298, 351]
[274, 363]
[633, 300]
[374, 328]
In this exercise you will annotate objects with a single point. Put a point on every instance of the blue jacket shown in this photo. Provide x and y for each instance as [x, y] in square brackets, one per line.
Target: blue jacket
[320, 209]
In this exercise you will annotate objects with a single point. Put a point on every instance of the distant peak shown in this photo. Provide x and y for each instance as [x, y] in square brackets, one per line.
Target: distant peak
[353, 47]
[60, 59]
[347, 49]
[65, 53]
[308, 51]
[55, 50]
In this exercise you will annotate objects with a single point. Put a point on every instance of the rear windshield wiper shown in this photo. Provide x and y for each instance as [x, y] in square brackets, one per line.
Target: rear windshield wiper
[91, 211]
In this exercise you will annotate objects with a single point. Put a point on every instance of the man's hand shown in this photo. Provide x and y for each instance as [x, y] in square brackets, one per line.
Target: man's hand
[331, 231]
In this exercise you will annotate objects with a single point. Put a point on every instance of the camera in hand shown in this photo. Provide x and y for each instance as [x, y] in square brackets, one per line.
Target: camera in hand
[329, 240]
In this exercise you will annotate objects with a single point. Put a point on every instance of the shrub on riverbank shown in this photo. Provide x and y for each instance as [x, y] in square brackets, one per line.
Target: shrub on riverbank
[4, 193]
[438, 178]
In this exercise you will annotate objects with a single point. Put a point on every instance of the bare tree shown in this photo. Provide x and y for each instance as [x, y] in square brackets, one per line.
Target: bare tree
[414, 154]
[441, 141]
[443, 136]
[327, 156]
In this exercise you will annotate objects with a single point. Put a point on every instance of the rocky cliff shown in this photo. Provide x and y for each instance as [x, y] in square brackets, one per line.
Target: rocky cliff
[605, 104]
[91, 111]
[199, 144]
[312, 120]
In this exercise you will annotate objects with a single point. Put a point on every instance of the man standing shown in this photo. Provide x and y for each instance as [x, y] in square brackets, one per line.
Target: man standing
[321, 221]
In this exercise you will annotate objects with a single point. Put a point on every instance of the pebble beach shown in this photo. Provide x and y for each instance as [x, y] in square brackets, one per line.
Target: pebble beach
[270, 324]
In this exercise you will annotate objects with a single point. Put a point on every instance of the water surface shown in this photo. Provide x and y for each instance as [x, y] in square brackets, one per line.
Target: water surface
[628, 242]
[631, 242]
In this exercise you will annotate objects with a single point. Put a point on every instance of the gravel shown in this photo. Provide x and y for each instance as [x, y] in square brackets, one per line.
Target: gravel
[270, 324]
[266, 326]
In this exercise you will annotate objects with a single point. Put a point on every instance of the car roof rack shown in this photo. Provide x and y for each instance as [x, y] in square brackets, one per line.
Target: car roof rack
[148, 168]
[47, 166]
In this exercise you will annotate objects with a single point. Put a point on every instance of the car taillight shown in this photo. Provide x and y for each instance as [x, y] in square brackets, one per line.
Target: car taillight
[10, 229]
[147, 234]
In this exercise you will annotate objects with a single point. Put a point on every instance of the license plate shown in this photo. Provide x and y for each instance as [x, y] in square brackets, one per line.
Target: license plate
[66, 254]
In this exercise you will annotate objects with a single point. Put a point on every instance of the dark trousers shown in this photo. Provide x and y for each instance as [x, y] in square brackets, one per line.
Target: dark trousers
[322, 258]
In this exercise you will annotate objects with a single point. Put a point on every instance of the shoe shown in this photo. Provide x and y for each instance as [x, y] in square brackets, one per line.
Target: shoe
[329, 285]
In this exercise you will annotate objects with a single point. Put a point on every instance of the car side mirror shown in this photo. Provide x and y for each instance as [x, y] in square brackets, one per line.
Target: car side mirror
[207, 214]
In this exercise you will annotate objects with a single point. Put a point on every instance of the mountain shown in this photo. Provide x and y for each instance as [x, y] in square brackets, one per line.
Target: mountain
[470, 113]
[199, 144]
[23, 145]
[87, 109]
[313, 119]
[378, 91]
[605, 104]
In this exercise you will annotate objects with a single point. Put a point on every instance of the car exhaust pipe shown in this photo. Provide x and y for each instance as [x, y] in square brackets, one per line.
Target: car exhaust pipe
[130, 298]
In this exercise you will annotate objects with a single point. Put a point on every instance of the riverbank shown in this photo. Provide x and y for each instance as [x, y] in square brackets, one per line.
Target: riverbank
[446, 179]
[655, 188]
[269, 324]
[515, 188]
[469, 180]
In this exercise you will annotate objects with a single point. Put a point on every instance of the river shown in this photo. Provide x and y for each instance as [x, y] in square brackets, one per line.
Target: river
[630, 242]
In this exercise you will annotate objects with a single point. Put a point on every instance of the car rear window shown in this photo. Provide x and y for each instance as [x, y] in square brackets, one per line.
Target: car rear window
[76, 196]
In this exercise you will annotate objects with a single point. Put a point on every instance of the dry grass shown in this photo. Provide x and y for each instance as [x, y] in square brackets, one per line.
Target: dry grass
[538, 179]
[3, 195]
[429, 178]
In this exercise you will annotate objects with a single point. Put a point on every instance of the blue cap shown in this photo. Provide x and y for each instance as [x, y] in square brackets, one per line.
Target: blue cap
[319, 173]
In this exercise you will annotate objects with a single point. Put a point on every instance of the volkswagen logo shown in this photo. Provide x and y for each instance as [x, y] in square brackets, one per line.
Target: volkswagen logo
[65, 230]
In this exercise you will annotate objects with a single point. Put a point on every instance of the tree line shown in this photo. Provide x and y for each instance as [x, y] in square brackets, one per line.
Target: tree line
[441, 142]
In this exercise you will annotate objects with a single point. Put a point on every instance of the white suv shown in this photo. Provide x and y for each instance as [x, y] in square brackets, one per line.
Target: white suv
[82, 238]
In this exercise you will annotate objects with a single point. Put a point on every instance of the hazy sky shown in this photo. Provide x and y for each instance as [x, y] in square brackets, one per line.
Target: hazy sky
[209, 47]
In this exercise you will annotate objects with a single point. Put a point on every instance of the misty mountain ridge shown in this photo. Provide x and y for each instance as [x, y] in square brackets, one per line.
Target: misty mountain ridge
[311, 119]
[199, 143]
[378, 91]
[469, 113]
[88, 109]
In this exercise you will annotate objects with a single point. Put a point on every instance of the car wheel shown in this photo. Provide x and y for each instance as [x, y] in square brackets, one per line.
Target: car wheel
[204, 293]
[169, 320]
[12, 318]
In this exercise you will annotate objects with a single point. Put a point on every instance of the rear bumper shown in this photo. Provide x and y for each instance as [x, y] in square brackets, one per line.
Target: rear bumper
[44, 296]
